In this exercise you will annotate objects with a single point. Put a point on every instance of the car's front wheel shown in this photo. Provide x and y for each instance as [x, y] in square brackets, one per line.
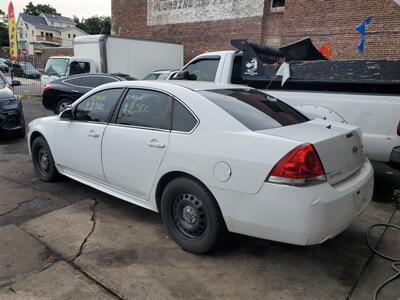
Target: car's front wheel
[62, 105]
[192, 215]
[43, 161]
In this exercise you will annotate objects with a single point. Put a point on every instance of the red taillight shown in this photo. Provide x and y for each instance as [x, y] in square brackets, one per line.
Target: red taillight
[47, 87]
[300, 166]
[398, 129]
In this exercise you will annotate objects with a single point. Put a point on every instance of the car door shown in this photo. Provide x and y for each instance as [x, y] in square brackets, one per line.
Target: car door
[135, 143]
[78, 141]
[72, 87]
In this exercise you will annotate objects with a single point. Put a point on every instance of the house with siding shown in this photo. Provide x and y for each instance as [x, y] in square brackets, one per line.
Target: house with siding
[46, 30]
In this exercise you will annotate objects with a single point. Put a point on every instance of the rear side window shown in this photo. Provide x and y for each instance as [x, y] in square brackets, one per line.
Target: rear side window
[73, 81]
[106, 79]
[182, 118]
[255, 110]
[97, 107]
[89, 81]
[203, 69]
[145, 108]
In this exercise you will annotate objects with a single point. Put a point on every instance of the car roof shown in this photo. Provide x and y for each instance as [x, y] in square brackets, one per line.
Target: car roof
[92, 74]
[192, 85]
[203, 85]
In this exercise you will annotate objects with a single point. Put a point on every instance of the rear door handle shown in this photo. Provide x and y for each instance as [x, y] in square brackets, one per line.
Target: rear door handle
[75, 91]
[93, 133]
[156, 144]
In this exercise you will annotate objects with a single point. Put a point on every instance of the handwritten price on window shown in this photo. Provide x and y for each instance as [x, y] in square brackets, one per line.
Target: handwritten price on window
[135, 106]
[96, 103]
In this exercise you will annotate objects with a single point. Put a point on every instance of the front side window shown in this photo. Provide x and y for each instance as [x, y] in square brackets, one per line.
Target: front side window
[255, 110]
[145, 108]
[97, 107]
[182, 118]
[203, 69]
[79, 68]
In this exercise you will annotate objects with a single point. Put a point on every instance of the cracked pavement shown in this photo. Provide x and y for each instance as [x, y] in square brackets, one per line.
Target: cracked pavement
[67, 241]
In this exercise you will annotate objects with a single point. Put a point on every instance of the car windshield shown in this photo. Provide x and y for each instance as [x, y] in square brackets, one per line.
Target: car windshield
[152, 76]
[56, 67]
[254, 109]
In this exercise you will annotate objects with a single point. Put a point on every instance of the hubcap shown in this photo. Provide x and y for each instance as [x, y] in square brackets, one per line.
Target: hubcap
[189, 215]
[43, 160]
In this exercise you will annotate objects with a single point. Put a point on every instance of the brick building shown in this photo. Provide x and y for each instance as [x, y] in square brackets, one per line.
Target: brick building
[207, 25]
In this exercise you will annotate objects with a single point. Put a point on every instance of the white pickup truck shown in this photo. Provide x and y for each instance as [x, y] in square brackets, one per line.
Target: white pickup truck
[378, 115]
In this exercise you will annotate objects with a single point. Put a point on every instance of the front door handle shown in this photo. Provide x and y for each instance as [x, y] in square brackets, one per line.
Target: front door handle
[93, 133]
[156, 144]
[75, 91]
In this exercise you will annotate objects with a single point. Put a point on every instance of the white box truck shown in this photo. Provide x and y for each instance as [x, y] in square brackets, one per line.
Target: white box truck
[111, 54]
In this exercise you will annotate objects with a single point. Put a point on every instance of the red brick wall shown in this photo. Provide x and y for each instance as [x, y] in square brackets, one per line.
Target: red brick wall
[334, 22]
[324, 21]
[129, 19]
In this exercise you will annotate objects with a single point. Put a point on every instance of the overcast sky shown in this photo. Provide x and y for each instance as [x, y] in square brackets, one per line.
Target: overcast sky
[68, 8]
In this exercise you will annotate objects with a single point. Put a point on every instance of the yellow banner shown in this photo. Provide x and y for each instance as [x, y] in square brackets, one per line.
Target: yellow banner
[12, 31]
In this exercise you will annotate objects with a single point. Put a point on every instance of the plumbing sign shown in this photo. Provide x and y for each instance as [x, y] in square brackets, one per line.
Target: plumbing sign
[160, 12]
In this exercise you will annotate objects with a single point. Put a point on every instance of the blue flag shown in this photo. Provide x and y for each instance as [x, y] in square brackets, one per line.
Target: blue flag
[361, 30]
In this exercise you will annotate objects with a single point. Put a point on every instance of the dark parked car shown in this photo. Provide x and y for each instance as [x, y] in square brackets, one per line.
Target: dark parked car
[12, 121]
[26, 70]
[60, 93]
[4, 66]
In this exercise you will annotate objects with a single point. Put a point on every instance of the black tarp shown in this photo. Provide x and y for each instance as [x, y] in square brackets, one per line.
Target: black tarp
[311, 71]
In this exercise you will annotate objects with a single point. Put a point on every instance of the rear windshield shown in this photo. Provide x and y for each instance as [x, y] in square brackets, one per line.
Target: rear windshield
[255, 110]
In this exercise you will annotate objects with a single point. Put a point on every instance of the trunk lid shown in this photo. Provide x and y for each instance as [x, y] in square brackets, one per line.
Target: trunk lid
[339, 146]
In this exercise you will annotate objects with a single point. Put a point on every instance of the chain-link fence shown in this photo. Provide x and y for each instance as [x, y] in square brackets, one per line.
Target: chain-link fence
[28, 70]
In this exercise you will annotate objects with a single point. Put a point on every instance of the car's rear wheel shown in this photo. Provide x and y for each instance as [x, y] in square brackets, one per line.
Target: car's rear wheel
[63, 105]
[192, 215]
[43, 161]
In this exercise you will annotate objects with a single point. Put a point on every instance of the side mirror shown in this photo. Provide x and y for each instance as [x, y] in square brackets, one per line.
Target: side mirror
[184, 75]
[67, 114]
[15, 83]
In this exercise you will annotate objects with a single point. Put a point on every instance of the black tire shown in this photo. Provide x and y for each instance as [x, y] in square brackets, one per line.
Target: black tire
[62, 105]
[43, 161]
[192, 216]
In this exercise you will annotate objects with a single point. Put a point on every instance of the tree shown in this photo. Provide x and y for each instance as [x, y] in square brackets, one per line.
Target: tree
[36, 10]
[94, 25]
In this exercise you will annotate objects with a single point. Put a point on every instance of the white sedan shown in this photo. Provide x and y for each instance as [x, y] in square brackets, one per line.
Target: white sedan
[210, 158]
